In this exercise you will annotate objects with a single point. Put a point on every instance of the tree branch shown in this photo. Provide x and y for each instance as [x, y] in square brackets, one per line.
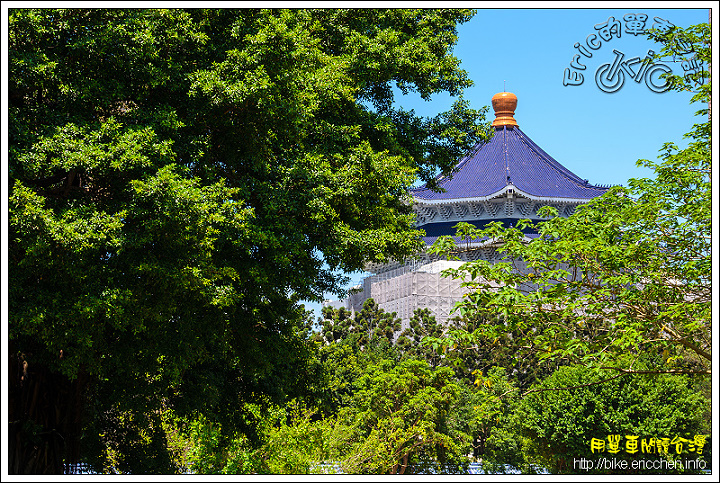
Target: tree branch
[687, 344]
[671, 371]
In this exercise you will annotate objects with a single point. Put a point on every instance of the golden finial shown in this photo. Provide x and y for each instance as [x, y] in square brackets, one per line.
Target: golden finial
[504, 104]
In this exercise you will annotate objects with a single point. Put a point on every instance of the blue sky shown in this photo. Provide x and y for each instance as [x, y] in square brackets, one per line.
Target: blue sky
[597, 135]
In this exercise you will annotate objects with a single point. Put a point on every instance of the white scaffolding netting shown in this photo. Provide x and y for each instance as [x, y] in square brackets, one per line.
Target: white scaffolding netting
[411, 287]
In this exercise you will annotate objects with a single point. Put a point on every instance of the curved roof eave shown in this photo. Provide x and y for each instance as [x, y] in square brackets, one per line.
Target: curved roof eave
[499, 194]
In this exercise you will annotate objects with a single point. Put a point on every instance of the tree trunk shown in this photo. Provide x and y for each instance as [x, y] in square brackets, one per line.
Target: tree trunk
[404, 465]
[44, 417]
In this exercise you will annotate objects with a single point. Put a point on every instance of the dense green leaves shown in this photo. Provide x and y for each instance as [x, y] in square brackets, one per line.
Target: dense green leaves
[401, 417]
[562, 423]
[379, 408]
[180, 179]
[410, 341]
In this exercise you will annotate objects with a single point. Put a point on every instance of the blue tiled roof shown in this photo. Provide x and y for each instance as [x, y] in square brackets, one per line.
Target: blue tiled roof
[510, 157]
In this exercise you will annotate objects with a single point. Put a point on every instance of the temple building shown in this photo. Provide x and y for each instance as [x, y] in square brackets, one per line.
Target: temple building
[505, 179]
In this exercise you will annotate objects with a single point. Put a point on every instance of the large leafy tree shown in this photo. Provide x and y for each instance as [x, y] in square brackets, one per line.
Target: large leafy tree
[179, 180]
[569, 415]
[401, 420]
[627, 273]
[659, 411]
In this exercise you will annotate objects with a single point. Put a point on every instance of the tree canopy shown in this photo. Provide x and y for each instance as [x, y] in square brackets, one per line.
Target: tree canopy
[391, 409]
[181, 179]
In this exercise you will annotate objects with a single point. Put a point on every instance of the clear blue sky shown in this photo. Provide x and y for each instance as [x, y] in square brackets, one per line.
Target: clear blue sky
[598, 136]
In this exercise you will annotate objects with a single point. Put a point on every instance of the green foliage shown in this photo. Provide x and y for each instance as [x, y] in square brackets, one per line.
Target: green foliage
[385, 417]
[560, 422]
[298, 445]
[400, 419]
[688, 43]
[294, 441]
[410, 340]
[472, 345]
[371, 327]
[503, 448]
[380, 326]
[180, 179]
[400, 415]
[337, 324]
[340, 366]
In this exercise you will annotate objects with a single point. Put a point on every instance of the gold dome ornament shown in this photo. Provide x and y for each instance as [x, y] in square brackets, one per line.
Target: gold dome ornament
[504, 104]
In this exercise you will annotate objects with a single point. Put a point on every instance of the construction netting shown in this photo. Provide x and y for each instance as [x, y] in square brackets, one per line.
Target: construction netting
[408, 288]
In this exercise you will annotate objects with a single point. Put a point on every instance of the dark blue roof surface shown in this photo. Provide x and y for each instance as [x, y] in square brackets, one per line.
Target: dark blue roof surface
[510, 157]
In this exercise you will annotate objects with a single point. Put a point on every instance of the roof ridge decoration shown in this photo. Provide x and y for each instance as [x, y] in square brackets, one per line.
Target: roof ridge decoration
[506, 156]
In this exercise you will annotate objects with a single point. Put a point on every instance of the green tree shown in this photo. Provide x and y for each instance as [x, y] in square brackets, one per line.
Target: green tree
[179, 180]
[339, 366]
[299, 444]
[497, 442]
[561, 423]
[400, 420]
[473, 346]
[294, 441]
[336, 324]
[627, 273]
[371, 327]
[377, 327]
[368, 414]
[409, 342]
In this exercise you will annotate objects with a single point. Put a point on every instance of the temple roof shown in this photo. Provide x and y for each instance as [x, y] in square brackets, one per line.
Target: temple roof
[510, 158]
